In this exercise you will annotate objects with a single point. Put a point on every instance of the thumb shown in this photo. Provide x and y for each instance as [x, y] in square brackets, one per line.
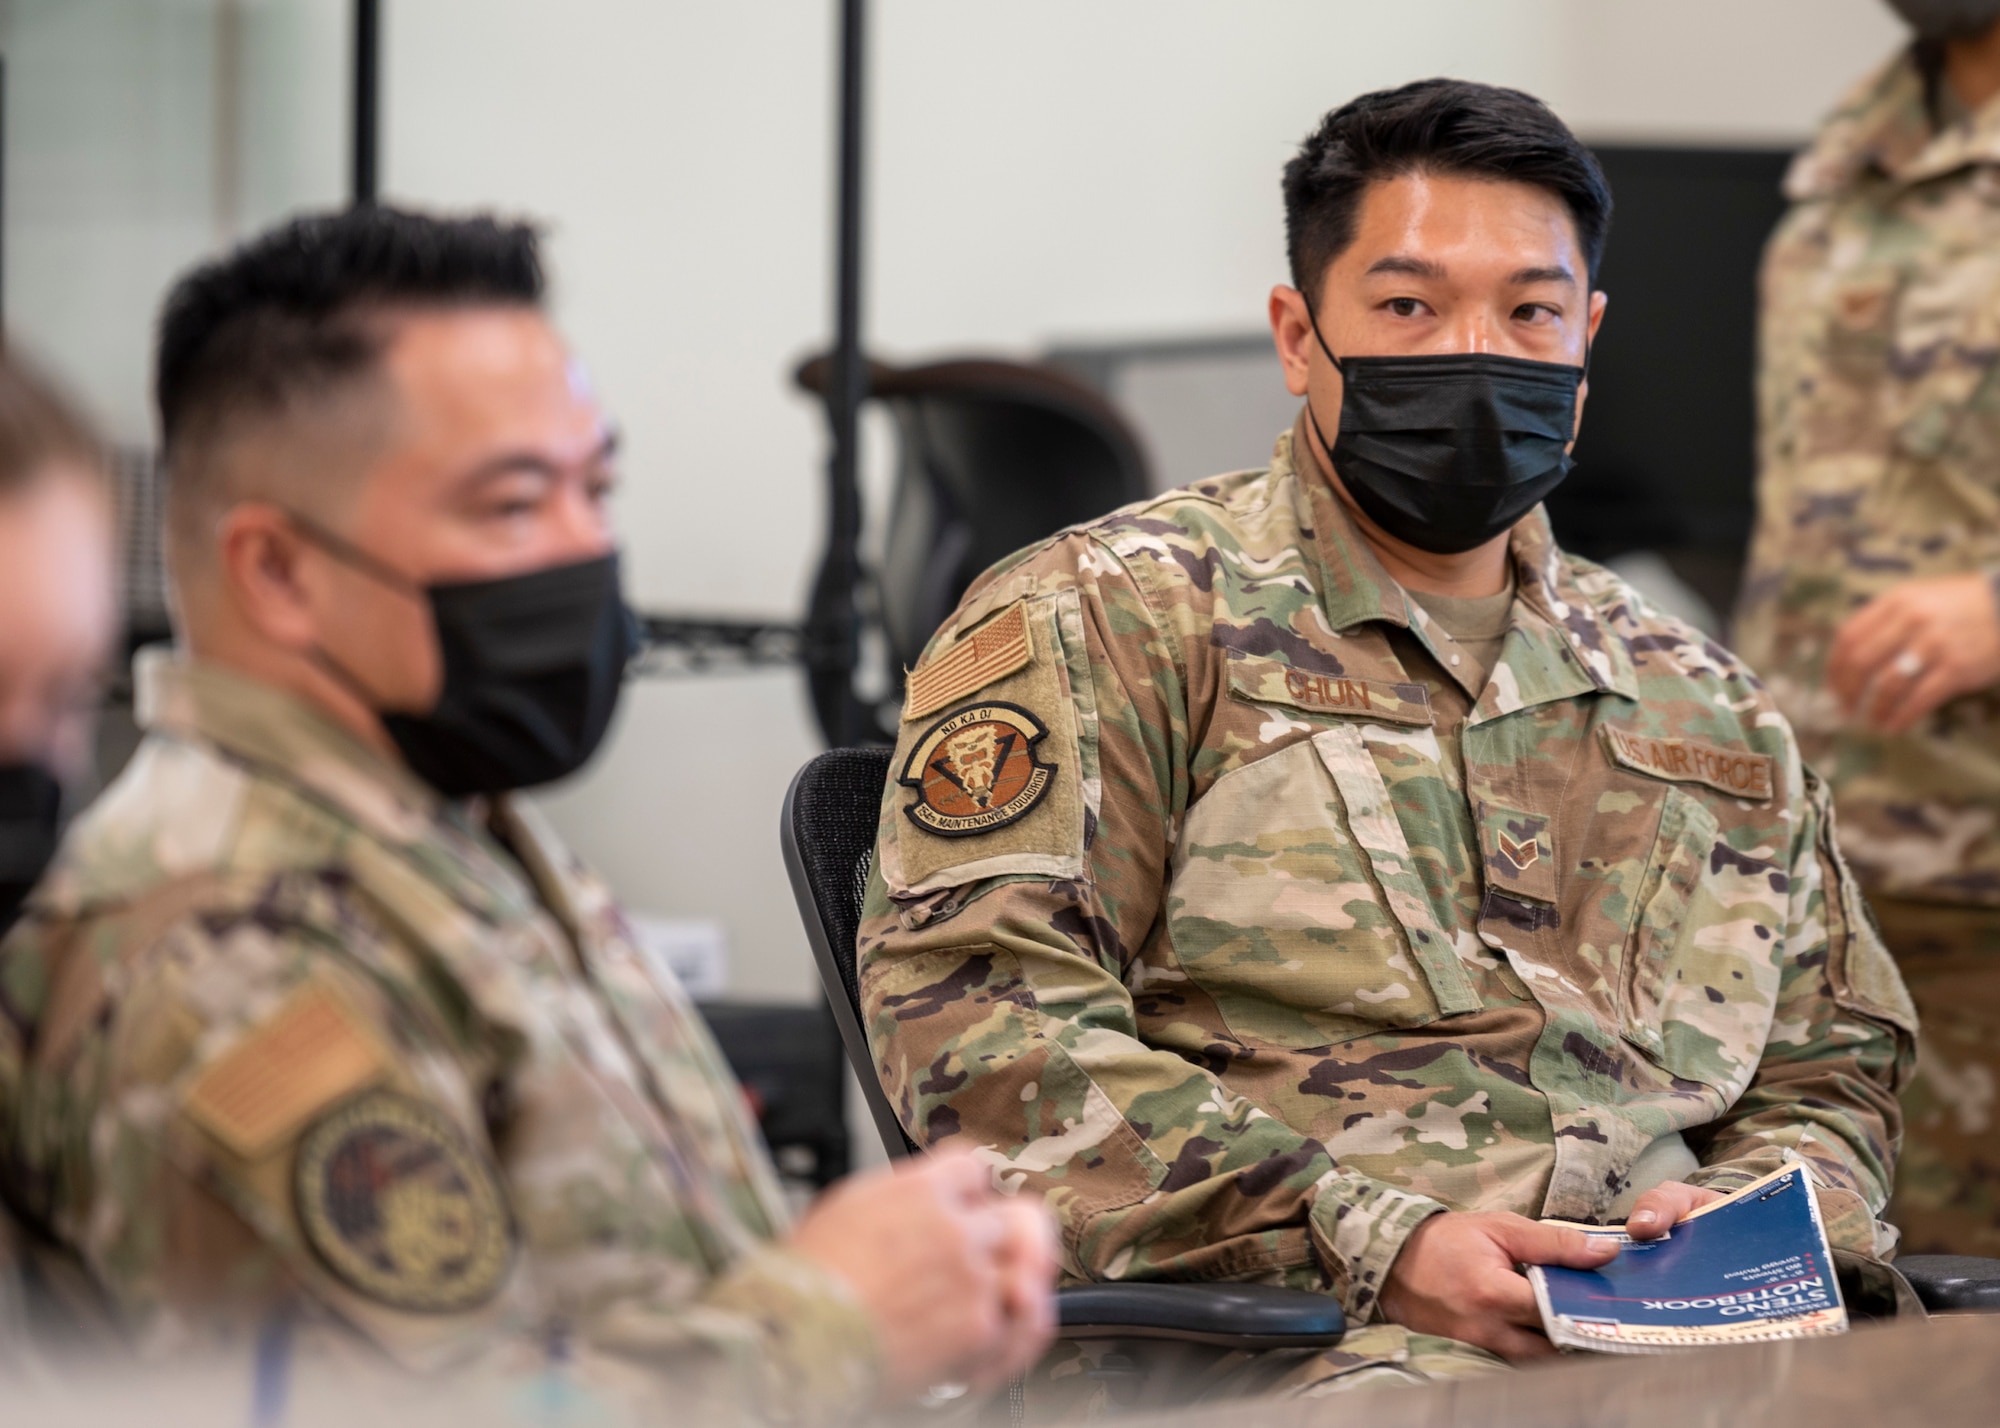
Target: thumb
[961, 1177]
[1531, 1242]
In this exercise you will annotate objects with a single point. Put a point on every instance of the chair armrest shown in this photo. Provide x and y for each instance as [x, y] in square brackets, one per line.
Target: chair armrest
[1234, 1316]
[1953, 1283]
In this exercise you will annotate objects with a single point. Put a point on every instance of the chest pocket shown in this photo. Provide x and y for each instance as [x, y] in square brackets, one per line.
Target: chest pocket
[1296, 906]
[1700, 973]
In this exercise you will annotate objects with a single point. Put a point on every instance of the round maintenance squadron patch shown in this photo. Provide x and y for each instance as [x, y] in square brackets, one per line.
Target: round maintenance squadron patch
[975, 770]
[398, 1206]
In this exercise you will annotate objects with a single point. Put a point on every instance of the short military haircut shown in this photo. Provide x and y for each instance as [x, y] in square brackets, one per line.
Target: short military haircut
[295, 317]
[39, 429]
[1434, 126]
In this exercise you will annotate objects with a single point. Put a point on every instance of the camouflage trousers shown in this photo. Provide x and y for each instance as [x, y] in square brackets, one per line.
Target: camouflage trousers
[1081, 1381]
[1947, 1197]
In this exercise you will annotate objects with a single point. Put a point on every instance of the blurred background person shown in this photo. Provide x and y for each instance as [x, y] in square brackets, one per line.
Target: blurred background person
[57, 624]
[58, 618]
[1872, 599]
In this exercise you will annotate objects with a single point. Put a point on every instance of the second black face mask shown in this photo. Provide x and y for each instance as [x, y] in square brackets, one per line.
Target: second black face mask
[30, 815]
[533, 666]
[1446, 451]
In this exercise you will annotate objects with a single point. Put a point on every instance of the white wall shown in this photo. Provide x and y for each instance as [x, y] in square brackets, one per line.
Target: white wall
[1039, 170]
[141, 134]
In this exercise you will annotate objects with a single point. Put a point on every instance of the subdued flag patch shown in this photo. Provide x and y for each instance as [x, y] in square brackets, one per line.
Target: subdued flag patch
[993, 651]
[309, 1055]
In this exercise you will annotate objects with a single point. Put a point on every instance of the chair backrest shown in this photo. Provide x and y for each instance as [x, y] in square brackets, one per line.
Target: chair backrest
[828, 834]
[991, 456]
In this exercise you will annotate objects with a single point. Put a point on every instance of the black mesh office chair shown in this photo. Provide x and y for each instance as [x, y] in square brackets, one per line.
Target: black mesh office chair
[828, 833]
[990, 457]
[829, 839]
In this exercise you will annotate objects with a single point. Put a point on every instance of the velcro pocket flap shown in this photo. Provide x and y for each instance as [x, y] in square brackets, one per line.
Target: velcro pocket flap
[1371, 816]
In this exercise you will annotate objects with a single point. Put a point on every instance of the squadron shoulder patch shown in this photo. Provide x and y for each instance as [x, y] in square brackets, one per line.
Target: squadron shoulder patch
[398, 1206]
[975, 770]
[993, 651]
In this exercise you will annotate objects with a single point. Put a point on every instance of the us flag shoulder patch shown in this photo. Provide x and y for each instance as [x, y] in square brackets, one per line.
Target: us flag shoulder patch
[993, 651]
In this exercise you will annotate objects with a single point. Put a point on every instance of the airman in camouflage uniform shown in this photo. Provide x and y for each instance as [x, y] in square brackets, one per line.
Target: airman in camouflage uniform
[314, 1034]
[1879, 475]
[1254, 932]
[272, 967]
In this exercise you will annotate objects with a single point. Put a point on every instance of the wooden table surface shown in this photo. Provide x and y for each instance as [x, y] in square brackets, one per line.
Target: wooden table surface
[1941, 1374]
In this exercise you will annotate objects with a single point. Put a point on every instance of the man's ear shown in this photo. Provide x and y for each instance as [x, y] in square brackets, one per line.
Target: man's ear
[1291, 332]
[260, 557]
[1598, 302]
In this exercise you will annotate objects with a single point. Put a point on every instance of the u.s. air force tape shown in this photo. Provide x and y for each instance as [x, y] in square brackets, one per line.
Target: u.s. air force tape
[398, 1206]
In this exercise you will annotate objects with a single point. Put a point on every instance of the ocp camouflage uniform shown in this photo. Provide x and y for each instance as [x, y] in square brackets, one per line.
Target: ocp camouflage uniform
[1209, 905]
[1880, 463]
[289, 1038]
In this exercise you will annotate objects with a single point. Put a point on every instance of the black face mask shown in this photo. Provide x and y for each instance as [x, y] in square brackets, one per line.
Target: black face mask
[30, 809]
[1445, 452]
[533, 666]
[1939, 20]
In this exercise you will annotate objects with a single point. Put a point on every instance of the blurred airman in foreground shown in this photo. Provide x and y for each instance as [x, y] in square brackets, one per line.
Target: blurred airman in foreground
[313, 1024]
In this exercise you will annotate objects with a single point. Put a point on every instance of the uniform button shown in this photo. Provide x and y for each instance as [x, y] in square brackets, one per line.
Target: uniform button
[1454, 659]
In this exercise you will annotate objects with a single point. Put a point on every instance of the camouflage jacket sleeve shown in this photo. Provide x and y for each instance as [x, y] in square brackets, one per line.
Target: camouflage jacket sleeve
[256, 1127]
[1842, 1045]
[999, 978]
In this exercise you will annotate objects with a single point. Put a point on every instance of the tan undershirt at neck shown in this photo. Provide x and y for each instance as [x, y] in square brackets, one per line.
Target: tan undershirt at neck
[1474, 630]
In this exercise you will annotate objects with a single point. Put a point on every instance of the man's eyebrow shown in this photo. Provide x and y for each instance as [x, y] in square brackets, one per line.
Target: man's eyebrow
[533, 463]
[1557, 273]
[1408, 267]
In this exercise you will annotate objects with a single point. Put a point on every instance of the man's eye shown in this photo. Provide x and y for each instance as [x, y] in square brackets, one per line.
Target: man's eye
[1405, 307]
[1535, 312]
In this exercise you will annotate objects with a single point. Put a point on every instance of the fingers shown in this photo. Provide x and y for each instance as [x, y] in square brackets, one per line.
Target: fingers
[1027, 1295]
[1899, 710]
[1510, 1299]
[959, 1175]
[1663, 1207]
[1870, 639]
[1915, 647]
[1031, 1238]
[1507, 1320]
[1520, 1346]
[1530, 1242]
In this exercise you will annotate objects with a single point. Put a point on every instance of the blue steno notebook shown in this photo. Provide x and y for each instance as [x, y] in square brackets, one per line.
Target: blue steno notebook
[1750, 1268]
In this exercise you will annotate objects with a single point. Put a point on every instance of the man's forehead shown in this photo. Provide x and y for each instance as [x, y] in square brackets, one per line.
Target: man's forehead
[1425, 225]
[465, 375]
[453, 350]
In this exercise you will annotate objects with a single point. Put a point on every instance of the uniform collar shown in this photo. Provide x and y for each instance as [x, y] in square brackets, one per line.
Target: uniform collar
[1559, 645]
[284, 738]
[1883, 129]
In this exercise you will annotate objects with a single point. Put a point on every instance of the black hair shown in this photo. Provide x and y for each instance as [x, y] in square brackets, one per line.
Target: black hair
[1436, 126]
[288, 313]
